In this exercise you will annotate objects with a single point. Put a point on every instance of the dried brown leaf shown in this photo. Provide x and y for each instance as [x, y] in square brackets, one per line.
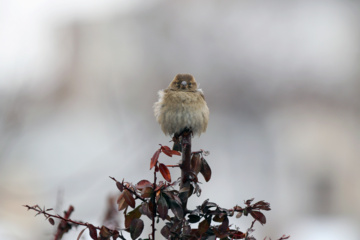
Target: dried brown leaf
[92, 231]
[105, 233]
[155, 158]
[162, 207]
[136, 228]
[165, 172]
[203, 226]
[165, 231]
[134, 214]
[258, 216]
[205, 169]
[147, 192]
[51, 221]
[122, 204]
[119, 186]
[196, 163]
[129, 198]
[143, 184]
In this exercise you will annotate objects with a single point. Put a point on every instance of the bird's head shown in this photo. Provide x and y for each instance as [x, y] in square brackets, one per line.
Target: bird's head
[183, 82]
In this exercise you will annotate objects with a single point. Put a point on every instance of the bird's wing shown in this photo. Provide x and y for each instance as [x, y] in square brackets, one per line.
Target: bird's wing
[201, 93]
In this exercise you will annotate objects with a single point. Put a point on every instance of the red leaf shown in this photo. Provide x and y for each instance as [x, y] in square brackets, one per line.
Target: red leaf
[143, 184]
[129, 198]
[258, 216]
[92, 231]
[136, 228]
[165, 172]
[234, 234]
[166, 150]
[155, 158]
[175, 153]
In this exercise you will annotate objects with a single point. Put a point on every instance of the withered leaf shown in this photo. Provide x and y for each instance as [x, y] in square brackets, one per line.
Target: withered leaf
[136, 228]
[92, 231]
[166, 150]
[165, 231]
[258, 216]
[119, 186]
[187, 230]
[165, 172]
[203, 226]
[162, 207]
[205, 169]
[176, 209]
[219, 233]
[51, 221]
[122, 204]
[147, 192]
[225, 225]
[132, 215]
[218, 218]
[145, 209]
[129, 198]
[105, 233]
[234, 234]
[143, 184]
[155, 158]
[195, 163]
[262, 205]
[248, 202]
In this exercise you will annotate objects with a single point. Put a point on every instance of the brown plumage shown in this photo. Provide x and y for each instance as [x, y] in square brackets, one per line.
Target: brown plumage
[182, 105]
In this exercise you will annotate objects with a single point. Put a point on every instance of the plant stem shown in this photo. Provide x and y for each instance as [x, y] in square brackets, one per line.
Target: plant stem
[154, 204]
[185, 167]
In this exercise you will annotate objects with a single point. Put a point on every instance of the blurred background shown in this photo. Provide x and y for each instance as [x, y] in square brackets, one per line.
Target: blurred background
[281, 78]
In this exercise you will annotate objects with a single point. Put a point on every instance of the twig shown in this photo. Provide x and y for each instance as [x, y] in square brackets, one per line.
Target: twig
[154, 204]
[137, 196]
[47, 215]
[63, 226]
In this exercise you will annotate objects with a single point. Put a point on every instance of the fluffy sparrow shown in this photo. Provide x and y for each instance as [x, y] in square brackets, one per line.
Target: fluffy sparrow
[182, 107]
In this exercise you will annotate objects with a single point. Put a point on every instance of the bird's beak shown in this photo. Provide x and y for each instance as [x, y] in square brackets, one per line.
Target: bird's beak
[184, 83]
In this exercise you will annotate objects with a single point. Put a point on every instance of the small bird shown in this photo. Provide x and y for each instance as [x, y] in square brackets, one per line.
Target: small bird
[182, 107]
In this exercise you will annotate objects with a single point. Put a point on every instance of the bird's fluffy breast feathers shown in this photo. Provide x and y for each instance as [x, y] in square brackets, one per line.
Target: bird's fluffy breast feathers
[176, 110]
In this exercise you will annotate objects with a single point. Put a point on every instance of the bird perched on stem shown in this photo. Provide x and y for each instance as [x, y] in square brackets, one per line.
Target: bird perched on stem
[181, 108]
